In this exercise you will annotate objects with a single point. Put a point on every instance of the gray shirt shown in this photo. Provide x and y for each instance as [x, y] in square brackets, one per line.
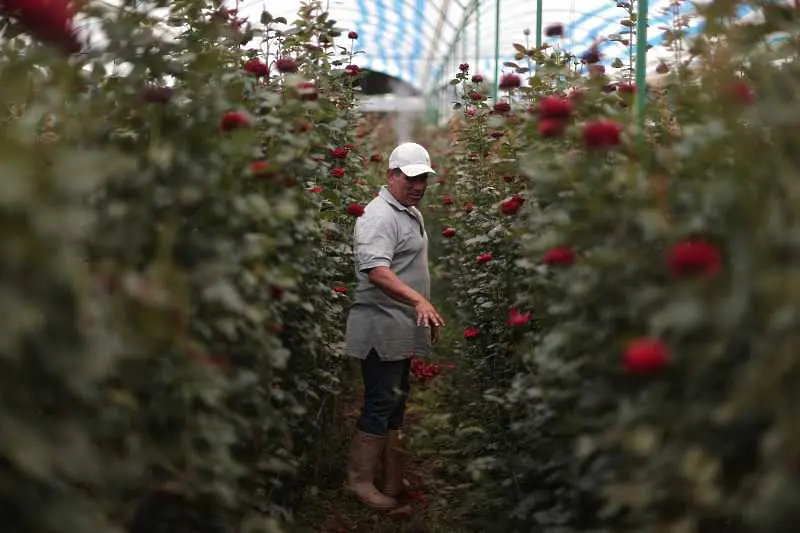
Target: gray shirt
[391, 235]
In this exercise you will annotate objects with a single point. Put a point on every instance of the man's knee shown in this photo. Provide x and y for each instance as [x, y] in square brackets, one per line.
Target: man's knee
[381, 411]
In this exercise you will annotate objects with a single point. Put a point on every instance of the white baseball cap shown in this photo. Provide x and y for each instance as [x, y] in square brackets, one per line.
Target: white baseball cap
[412, 159]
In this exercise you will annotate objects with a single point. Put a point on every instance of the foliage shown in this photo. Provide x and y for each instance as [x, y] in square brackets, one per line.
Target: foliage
[175, 257]
[650, 390]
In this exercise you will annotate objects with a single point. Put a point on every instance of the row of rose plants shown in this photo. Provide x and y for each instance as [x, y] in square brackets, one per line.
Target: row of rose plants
[628, 297]
[179, 189]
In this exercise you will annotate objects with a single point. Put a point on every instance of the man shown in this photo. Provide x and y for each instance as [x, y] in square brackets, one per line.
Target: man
[391, 320]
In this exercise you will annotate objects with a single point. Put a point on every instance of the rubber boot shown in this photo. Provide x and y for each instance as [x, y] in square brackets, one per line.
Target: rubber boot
[394, 463]
[365, 453]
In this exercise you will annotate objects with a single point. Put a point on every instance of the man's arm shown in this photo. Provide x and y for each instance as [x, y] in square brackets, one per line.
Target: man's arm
[387, 281]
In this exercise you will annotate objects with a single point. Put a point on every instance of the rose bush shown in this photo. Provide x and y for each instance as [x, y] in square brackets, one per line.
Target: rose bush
[648, 388]
[175, 251]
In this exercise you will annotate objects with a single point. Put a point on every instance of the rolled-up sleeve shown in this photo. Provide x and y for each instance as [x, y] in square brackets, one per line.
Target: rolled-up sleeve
[375, 240]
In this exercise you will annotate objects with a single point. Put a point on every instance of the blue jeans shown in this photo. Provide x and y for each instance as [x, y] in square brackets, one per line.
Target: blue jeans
[386, 386]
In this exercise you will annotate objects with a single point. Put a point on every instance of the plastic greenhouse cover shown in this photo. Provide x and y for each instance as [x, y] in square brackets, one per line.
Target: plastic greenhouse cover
[423, 41]
[410, 39]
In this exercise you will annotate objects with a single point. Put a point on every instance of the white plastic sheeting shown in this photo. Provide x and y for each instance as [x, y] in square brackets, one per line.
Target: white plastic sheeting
[418, 41]
[410, 39]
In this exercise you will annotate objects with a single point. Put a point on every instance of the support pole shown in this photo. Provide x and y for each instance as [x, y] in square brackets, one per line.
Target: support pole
[464, 43]
[496, 50]
[477, 35]
[539, 23]
[641, 65]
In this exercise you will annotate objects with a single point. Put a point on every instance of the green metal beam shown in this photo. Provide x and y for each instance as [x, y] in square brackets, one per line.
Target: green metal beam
[496, 50]
[471, 7]
[641, 64]
[539, 23]
[477, 33]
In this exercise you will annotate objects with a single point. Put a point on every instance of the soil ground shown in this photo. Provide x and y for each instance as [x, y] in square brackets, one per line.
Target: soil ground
[430, 502]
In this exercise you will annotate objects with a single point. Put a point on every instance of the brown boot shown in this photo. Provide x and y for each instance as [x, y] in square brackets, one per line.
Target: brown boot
[365, 452]
[394, 463]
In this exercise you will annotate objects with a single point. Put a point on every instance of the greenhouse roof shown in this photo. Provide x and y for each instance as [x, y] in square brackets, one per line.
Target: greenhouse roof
[423, 41]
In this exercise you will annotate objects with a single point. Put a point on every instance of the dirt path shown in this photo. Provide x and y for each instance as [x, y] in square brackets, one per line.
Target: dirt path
[430, 504]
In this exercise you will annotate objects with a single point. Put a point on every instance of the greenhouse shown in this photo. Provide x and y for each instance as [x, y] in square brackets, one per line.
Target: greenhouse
[399, 266]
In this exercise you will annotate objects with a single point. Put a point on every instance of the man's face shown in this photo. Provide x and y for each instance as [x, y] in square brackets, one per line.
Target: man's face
[408, 190]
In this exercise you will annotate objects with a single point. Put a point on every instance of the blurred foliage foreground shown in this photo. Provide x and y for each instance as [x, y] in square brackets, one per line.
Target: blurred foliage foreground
[176, 263]
[175, 254]
[629, 299]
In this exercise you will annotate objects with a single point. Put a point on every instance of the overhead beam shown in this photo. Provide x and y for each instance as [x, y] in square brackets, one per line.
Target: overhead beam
[443, 9]
[471, 7]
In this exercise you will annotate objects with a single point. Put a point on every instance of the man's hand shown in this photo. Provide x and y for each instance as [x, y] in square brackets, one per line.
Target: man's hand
[427, 315]
[435, 331]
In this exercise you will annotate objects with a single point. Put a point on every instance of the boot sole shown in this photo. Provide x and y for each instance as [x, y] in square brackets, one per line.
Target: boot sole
[364, 502]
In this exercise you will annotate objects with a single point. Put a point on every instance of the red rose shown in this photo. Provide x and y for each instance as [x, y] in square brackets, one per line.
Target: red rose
[554, 30]
[256, 67]
[740, 93]
[596, 70]
[157, 94]
[555, 107]
[355, 209]
[551, 127]
[352, 35]
[449, 232]
[340, 289]
[469, 113]
[353, 70]
[463, 67]
[261, 169]
[339, 152]
[602, 134]
[475, 96]
[592, 55]
[286, 64]
[694, 256]
[510, 81]
[233, 120]
[306, 91]
[349, 147]
[276, 292]
[645, 356]
[447, 200]
[48, 20]
[512, 205]
[484, 258]
[515, 318]
[471, 333]
[303, 126]
[559, 257]
[337, 172]
[477, 78]
[315, 189]
[468, 207]
[502, 107]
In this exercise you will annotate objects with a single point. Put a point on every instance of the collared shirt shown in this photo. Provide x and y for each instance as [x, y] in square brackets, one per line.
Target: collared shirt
[392, 235]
